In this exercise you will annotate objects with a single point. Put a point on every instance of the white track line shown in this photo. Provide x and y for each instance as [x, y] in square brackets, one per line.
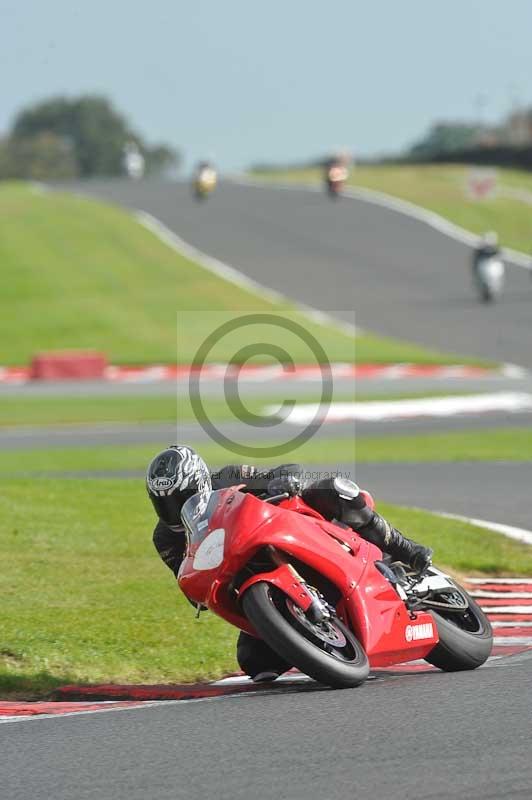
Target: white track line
[508, 610]
[503, 595]
[243, 680]
[236, 680]
[511, 641]
[142, 706]
[519, 534]
[233, 275]
[391, 203]
[146, 704]
[238, 278]
[376, 411]
[516, 624]
[508, 581]
[32, 717]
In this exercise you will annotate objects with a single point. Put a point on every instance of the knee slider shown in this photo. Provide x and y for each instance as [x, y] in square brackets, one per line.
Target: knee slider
[355, 511]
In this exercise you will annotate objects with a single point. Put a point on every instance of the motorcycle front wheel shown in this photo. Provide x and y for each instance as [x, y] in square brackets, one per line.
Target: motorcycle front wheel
[326, 651]
[466, 639]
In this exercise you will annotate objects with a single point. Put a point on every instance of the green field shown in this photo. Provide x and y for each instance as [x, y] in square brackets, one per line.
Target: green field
[81, 274]
[511, 444]
[87, 599]
[442, 189]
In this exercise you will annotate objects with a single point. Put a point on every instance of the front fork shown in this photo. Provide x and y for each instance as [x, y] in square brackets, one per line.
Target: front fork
[286, 578]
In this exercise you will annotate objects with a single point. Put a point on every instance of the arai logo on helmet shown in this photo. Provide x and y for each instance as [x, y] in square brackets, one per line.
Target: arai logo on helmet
[414, 633]
[161, 483]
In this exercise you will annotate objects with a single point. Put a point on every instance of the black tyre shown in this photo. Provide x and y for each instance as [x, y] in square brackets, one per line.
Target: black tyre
[487, 295]
[466, 639]
[327, 652]
[483, 288]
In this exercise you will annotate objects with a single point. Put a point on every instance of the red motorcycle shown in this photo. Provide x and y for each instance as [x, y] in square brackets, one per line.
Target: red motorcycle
[335, 179]
[318, 594]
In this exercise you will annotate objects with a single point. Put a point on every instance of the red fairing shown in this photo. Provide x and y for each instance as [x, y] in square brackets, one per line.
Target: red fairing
[286, 579]
[242, 525]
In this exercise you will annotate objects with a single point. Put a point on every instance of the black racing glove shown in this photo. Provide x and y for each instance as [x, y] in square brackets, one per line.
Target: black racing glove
[289, 484]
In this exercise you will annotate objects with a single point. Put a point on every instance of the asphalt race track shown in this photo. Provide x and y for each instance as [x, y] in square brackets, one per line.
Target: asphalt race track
[342, 386]
[433, 736]
[436, 736]
[390, 273]
[27, 437]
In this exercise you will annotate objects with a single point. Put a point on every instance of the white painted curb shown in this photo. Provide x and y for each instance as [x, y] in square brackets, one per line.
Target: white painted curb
[408, 209]
[511, 532]
[376, 411]
[234, 276]
[503, 581]
[221, 269]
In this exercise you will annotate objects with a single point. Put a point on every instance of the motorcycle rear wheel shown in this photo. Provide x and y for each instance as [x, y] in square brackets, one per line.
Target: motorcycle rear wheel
[327, 652]
[466, 640]
[487, 295]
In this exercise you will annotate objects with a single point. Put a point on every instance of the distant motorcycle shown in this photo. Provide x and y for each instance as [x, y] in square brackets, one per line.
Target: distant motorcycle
[319, 595]
[335, 179]
[489, 274]
[205, 183]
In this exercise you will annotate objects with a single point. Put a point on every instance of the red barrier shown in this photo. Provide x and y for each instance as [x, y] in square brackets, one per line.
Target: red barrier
[68, 365]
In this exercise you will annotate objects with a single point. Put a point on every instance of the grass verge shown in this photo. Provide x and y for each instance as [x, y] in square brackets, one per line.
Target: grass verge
[512, 444]
[83, 274]
[86, 598]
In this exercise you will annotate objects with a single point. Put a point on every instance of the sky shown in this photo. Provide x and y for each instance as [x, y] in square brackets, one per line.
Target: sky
[276, 81]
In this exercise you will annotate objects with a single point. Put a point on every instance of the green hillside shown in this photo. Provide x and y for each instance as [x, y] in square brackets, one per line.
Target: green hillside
[81, 274]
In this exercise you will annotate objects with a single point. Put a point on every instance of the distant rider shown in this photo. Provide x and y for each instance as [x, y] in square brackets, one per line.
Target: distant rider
[205, 175]
[178, 472]
[488, 247]
[336, 174]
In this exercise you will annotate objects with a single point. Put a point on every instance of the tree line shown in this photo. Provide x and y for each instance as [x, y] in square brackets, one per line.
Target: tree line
[78, 137]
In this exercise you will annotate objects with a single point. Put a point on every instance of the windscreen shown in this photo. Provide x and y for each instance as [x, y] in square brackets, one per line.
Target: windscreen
[195, 515]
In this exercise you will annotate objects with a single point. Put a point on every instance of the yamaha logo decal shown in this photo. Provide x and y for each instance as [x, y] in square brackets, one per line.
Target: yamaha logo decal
[414, 633]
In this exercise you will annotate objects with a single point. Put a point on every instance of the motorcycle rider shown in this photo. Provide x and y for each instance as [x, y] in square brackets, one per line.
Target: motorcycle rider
[488, 247]
[178, 472]
[205, 177]
[335, 174]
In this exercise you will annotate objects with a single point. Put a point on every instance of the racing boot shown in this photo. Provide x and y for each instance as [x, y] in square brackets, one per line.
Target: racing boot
[356, 513]
[258, 660]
